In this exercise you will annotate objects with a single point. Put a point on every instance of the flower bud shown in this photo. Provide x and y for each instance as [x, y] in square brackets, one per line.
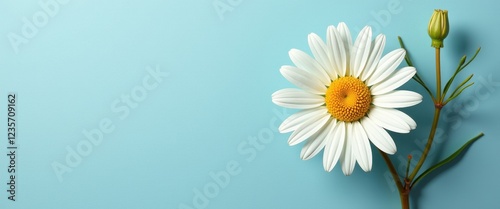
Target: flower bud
[462, 61]
[438, 27]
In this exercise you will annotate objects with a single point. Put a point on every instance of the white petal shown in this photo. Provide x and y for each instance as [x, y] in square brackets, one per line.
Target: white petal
[337, 51]
[346, 38]
[334, 146]
[348, 157]
[362, 148]
[361, 51]
[386, 66]
[305, 62]
[303, 79]
[308, 128]
[407, 119]
[297, 98]
[386, 118]
[316, 142]
[397, 99]
[321, 54]
[397, 79]
[295, 120]
[375, 54]
[378, 136]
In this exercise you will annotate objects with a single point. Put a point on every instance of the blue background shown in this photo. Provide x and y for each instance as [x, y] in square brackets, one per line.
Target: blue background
[212, 114]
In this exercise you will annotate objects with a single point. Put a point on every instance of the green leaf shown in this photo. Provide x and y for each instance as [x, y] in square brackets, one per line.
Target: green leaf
[460, 67]
[407, 56]
[447, 160]
[465, 81]
[450, 81]
[472, 59]
[457, 92]
[416, 77]
[459, 87]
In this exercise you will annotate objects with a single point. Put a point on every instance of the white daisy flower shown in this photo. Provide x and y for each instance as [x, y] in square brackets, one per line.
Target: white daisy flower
[347, 98]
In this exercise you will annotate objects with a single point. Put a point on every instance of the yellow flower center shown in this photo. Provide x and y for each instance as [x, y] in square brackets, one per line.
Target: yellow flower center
[348, 99]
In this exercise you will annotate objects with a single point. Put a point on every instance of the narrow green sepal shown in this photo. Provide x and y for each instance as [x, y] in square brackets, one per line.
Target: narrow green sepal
[437, 43]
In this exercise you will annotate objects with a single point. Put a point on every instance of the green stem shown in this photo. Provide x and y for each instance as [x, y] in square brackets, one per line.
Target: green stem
[405, 200]
[404, 192]
[438, 104]
[427, 148]
[438, 76]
